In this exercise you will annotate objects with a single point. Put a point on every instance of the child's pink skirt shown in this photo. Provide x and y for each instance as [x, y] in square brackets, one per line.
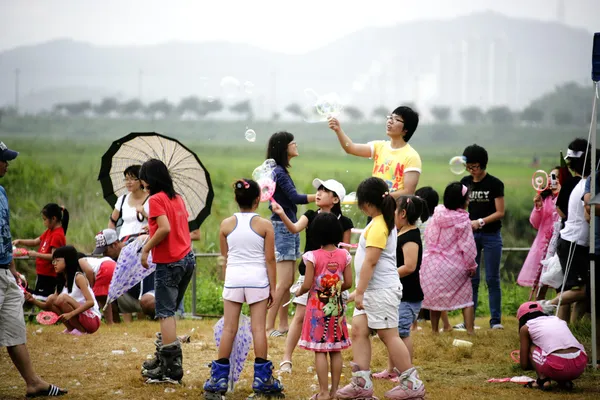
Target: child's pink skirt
[559, 367]
[89, 320]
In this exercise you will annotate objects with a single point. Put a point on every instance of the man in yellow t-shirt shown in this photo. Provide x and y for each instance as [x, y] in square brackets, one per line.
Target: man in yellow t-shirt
[394, 160]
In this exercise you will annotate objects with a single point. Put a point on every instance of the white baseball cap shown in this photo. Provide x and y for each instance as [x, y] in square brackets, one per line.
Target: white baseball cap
[331, 185]
[105, 239]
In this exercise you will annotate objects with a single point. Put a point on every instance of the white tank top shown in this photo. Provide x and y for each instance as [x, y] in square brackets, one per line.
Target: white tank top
[80, 298]
[246, 266]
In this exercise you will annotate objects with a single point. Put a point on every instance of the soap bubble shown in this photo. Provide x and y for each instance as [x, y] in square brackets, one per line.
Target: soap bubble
[458, 165]
[230, 86]
[250, 135]
[210, 99]
[329, 105]
[265, 170]
[248, 87]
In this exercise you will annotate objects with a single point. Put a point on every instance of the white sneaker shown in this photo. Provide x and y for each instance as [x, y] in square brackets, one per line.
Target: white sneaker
[497, 326]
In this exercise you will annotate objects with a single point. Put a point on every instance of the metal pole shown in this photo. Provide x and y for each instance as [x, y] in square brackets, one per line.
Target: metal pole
[194, 291]
[17, 73]
[593, 230]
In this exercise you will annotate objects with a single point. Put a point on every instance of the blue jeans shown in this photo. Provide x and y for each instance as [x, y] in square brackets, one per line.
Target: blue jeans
[491, 245]
[407, 314]
[171, 281]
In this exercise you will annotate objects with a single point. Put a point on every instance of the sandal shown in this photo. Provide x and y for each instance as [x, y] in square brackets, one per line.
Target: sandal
[276, 333]
[540, 384]
[283, 368]
[50, 392]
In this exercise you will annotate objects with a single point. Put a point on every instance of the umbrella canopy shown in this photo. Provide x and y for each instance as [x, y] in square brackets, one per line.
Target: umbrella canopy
[190, 179]
[129, 271]
[240, 348]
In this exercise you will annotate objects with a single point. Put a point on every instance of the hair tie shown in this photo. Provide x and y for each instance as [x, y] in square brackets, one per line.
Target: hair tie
[246, 184]
[407, 200]
[385, 194]
[464, 190]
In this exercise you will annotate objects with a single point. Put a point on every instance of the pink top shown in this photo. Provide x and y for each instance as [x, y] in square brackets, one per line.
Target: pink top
[543, 220]
[551, 334]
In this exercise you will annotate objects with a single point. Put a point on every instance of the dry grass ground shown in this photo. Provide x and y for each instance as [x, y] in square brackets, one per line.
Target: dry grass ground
[86, 366]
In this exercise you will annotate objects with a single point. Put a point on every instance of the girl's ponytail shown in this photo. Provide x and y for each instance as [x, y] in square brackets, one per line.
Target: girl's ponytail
[53, 210]
[65, 219]
[388, 208]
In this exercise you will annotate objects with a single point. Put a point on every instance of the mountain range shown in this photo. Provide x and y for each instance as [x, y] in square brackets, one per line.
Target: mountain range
[481, 59]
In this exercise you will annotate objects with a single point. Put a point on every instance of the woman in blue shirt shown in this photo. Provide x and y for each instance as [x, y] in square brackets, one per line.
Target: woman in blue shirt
[282, 148]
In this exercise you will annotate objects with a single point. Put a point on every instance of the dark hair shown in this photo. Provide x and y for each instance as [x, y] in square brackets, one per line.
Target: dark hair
[133, 170]
[415, 208]
[476, 154]
[577, 164]
[453, 197]
[246, 192]
[155, 173]
[277, 149]
[336, 209]
[375, 191]
[430, 196]
[326, 229]
[69, 253]
[411, 120]
[529, 316]
[53, 210]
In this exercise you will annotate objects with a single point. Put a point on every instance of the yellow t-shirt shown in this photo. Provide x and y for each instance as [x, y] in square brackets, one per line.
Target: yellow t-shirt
[391, 164]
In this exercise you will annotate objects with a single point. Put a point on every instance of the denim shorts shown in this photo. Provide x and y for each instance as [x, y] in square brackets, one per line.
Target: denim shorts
[407, 315]
[287, 244]
[170, 282]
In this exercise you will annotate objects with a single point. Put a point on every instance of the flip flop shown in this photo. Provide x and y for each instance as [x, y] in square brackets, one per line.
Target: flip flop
[275, 333]
[52, 391]
[287, 370]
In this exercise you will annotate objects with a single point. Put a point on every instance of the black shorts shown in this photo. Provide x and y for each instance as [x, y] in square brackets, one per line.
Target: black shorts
[44, 286]
[580, 263]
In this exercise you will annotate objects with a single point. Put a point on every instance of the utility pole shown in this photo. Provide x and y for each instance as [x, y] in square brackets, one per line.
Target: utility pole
[17, 73]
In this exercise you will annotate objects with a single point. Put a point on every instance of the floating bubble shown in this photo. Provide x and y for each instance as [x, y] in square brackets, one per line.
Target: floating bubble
[539, 180]
[250, 135]
[458, 165]
[248, 87]
[230, 86]
[329, 105]
[210, 99]
[265, 170]
[97, 193]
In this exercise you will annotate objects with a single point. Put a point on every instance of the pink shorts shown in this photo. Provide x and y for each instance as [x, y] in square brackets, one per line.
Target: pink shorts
[557, 367]
[247, 295]
[89, 320]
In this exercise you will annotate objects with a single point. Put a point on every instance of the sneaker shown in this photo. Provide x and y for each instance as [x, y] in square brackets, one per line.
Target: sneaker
[460, 327]
[385, 375]
[497, 326]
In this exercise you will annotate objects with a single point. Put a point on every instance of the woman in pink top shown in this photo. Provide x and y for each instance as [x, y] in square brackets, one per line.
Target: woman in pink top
[449, 259]
[543, 216]
[549, 347]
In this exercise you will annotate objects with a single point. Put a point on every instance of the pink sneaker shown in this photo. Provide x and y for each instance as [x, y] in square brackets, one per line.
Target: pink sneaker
[360, 387]
[410, 387]
[386, 375]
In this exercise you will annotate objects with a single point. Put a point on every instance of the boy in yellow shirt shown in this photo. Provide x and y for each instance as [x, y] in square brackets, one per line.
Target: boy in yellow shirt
[394, 160]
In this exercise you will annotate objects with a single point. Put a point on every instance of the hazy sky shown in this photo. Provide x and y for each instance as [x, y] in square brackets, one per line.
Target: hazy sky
[280, 25]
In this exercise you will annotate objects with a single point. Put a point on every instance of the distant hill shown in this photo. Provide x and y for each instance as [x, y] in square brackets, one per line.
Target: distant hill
[481, 59]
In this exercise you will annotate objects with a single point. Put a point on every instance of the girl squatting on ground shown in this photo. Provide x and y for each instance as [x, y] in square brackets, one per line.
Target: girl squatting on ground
[74, 299]
[175, 262]
[328, 274]
[377, 298]
[248, 245]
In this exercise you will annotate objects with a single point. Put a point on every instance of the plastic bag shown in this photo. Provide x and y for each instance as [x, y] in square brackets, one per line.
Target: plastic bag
[552, 274]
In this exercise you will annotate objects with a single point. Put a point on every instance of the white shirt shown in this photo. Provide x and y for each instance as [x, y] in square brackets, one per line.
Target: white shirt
[131, 225]
[96, 262]
[577, 229]
[76, 294]
[246, 264]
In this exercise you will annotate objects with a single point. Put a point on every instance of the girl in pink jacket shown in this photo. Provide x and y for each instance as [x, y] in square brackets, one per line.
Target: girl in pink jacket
[449, 259]
[543, 217]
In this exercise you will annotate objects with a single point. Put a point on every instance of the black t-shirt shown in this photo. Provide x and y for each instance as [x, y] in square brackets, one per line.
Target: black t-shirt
[411, 284]
[566, 188]
[483, 199]
[310, 243]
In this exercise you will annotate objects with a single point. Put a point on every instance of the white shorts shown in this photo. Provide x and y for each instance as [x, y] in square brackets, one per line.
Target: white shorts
[12, 322]
[246, 295]
[302, 300]
[381, 307]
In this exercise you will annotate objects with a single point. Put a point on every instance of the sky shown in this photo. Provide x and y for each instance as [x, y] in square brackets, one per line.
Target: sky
[279, 25]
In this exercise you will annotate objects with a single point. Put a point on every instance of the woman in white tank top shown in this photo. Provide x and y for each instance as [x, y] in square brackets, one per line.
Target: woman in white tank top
[73, 300]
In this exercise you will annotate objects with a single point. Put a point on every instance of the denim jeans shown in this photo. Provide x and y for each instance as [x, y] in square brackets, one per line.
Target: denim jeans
[491, 245]
[171, 281]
